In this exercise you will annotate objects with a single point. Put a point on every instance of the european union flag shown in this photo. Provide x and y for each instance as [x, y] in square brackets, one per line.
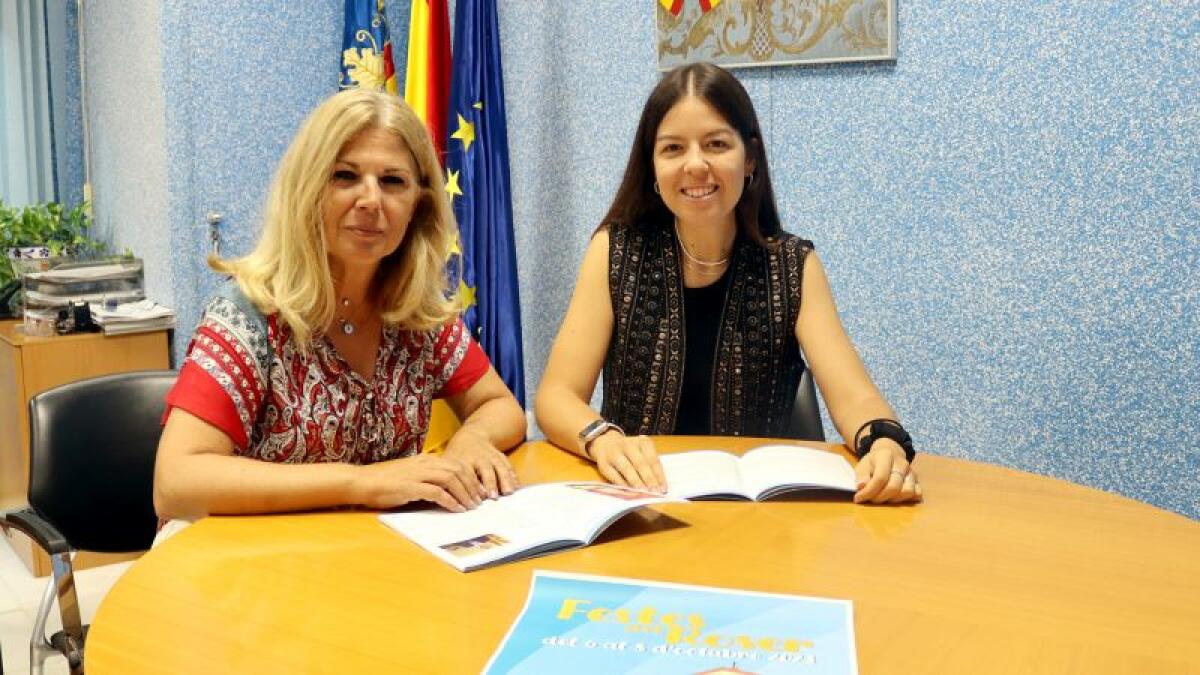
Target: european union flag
[478, 186]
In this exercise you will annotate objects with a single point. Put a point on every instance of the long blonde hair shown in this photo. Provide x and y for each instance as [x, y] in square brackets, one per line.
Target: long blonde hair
[288, 271]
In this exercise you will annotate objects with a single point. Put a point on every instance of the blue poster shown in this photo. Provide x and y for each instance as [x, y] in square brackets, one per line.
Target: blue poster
[579, 624]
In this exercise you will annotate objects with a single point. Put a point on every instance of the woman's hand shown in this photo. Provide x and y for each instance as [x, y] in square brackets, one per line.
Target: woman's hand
[628, 460]
[445, 481]
[884, 477]
[489, 465]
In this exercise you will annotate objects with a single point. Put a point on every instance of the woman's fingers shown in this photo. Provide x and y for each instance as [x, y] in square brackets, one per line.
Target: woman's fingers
[633, 462]
[625, 465]
[910, 490]
[424, 477]
[471, 480]
[458, 479]
[485, 471]
[497, 475]
[649, 465]
[614, 462]
[882, 481]
[893, 483]
[870, 479]
[432, 493]
[884, 476]
[506, 475]
[610, 473]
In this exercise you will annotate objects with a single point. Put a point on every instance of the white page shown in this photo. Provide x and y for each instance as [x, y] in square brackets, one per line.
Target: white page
[579, 509]
[490, 532]
[702, 472]
[772, 465]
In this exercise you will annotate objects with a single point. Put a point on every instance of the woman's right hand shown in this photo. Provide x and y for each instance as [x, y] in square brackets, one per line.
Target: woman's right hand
[628, 460]
[446, 482]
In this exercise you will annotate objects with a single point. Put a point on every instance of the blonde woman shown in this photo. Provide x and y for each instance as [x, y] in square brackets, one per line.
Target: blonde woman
[309, 380]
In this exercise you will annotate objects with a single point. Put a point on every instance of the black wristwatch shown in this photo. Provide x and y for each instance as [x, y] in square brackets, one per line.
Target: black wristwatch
[884, 428]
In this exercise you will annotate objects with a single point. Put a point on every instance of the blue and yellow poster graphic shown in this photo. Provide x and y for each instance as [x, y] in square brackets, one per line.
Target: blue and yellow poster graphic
[583, 624]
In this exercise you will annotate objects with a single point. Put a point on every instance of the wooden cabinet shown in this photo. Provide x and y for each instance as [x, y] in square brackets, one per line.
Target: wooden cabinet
[31, 365]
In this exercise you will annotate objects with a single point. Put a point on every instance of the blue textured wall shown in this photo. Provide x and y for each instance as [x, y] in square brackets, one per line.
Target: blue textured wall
[241, 79]
[1009, 212]
[125, 102]
[62, 24]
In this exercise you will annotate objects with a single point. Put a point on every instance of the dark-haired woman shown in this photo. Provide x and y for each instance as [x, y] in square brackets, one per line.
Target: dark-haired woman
[697, 306]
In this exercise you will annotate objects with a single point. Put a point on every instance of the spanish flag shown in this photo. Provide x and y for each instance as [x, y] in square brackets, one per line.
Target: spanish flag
[427, 79]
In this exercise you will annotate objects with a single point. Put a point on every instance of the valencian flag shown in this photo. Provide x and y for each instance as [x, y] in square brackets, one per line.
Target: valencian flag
[477, 183]
[367, 48]
[427, 77]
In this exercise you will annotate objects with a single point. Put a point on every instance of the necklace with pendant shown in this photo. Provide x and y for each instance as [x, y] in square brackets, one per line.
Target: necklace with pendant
[346, 324]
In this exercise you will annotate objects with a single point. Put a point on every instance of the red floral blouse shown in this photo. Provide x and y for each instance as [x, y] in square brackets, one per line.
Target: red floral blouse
[280, 405]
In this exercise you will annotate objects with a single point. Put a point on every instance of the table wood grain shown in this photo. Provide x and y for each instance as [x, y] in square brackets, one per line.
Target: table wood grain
[998, 571]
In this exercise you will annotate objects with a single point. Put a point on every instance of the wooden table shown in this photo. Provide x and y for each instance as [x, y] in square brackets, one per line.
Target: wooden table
[998, 571]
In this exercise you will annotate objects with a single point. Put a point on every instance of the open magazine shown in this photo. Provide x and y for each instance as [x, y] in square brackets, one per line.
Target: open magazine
[762, 473]
[532, 521]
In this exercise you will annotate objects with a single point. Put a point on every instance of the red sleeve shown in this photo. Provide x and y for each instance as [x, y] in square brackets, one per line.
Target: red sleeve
[223, 380]
[473, 365]
[199, 394]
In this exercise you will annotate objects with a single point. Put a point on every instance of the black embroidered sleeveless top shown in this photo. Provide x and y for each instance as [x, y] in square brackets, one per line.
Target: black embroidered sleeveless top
[701, 323]
[756, 363]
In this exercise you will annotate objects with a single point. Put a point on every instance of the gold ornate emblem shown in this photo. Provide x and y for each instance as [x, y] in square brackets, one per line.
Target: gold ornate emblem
[764, 32]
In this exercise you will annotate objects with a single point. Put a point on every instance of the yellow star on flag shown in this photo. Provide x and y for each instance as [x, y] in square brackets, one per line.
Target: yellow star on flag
[465, 133]
[456, 249]
[452, 185]
[478, 105]
[466, 294]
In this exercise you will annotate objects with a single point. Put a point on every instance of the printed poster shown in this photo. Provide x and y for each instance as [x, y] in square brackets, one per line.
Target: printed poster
[581, 624]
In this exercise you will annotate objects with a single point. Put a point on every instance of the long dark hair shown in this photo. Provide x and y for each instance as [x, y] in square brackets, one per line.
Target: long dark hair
[637, 204]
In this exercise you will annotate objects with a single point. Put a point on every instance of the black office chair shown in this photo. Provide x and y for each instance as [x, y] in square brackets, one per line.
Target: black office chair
[805, 423]
[92, 446]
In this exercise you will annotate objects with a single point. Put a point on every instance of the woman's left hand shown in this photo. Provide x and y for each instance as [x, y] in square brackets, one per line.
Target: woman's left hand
[489, 464]
[884, 477]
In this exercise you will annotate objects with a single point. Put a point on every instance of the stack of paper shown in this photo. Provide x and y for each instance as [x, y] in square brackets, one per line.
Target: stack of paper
[133, 317]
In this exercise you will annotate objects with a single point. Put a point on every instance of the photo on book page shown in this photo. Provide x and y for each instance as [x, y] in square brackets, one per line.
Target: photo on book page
[474, 545]
[618, 491]
[582, 624]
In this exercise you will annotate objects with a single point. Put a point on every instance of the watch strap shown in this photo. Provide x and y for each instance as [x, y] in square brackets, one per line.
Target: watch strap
[594, 430]
[884, 428]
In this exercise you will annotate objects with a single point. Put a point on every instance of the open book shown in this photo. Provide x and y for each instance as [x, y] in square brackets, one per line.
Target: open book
[532, 521]
[762, 473]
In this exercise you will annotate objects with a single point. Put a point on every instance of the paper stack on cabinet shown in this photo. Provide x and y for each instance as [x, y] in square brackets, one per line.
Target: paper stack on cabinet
[133, 317]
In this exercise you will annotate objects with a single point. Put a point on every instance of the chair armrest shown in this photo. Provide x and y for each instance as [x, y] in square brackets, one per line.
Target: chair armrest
[38, 529]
